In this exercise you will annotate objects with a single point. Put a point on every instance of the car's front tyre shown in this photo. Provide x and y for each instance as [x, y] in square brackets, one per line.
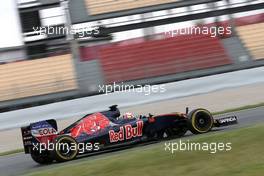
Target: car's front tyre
[200, 121]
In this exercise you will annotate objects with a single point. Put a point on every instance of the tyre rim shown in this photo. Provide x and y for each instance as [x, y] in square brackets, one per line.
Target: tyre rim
[66, 151]
[203, 121]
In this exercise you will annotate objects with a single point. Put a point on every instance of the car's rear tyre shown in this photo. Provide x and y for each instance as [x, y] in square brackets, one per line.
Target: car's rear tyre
[201, 121]
[41, 158]
[66, 149]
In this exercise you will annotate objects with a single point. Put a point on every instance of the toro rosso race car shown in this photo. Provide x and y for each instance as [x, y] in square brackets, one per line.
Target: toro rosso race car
[107, 130]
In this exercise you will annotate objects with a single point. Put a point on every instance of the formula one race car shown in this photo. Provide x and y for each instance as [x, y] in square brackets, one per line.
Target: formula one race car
[108, 130]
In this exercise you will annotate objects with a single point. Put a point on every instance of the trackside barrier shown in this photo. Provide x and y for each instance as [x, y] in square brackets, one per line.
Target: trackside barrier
[78, 107]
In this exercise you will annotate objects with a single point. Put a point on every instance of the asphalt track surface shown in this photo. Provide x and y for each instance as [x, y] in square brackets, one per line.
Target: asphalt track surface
[18, 164]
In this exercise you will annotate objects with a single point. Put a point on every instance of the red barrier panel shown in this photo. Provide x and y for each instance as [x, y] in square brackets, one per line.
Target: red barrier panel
[137, 59]
[162, 57]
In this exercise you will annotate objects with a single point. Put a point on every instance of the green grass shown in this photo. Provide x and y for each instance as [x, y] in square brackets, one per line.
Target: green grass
[245, 159]
[11, 152]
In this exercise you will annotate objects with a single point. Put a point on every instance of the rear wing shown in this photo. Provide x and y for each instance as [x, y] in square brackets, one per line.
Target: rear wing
[225, 121]
[27, 138]
[38, 132]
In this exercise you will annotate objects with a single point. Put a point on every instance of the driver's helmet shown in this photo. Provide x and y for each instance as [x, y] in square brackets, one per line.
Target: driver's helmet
[128, 115]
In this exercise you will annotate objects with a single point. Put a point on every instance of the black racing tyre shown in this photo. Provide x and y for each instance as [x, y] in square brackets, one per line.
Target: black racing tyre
[66, 148]
[41, 158]
[200, 121]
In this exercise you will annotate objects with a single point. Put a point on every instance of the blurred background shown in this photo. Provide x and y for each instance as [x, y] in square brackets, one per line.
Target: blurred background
[138, 43]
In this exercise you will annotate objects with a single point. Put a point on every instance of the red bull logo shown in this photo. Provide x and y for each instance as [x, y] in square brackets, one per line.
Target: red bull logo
[126, 132]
